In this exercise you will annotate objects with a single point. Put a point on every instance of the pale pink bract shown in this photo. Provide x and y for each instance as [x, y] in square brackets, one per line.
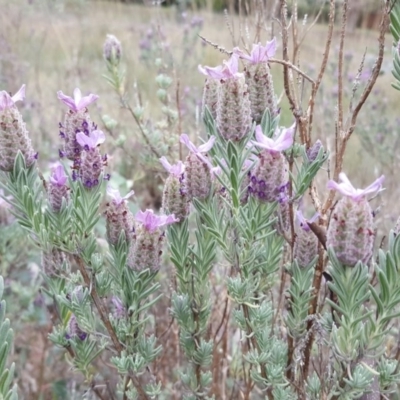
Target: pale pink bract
[152, 222]
[7, 101]
[92, 140]
[116, 195]
[347, 189]
[258, 53]
[199, 150]
[177, 169]
[78, 102]
[58, 176]
[282, 142]
[229, 69]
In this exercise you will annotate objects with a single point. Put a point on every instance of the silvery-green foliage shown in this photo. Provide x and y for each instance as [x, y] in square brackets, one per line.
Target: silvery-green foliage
[7, 390]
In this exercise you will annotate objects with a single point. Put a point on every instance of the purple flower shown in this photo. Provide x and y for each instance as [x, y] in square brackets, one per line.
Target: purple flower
[199, 150]
[259, 53]
[282, 142]
[92, 140]
[177, 169]
[119, 309]
[116, 196]
[228, 70]
[347, 189]
[304, 222]
[6, 101]
[151, 222]
[78, 102]
[58, 176]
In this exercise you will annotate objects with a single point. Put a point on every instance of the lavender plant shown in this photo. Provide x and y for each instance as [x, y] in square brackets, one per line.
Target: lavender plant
[264, 302]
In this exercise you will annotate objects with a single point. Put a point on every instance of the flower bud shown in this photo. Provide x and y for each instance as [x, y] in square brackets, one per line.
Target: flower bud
[306, 244]
[57, 189]
[233, 109]
[53, 261]
[118, 217]
[146, 248]
[112, 50]
[313, 151]
[13, 133]
[351, 231]
[210, 96]
[261, 90]
[74, 331]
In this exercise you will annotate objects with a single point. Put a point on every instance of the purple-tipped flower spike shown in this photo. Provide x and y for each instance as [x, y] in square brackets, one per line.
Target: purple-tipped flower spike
[13, 133]
[57, 188]
[112, 50]
[145, 251]
[259, 53]
[259, 79]
[91, 163]
[77, 103]
[6, 101]
[270, 176]
[118, 216]
[229, 69]
[306, 244]
[197, 177]
[77, 119]
[347, 189]
[281, 143]
[351, 231]
[313, 151]
[174, 199]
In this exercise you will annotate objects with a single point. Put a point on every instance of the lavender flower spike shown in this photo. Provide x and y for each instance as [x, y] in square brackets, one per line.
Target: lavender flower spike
[347, 189]
[177, 169]
[78, 102]
[6, 101]
[152, 222]
[282, 142]
[228, 70]
[92, 140]
[58, 177]
[258, 53]
[199, 150]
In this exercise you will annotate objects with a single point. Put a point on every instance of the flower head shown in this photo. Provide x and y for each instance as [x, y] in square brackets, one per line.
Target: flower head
[151, 222]
[199, 150]
[6, 101]
[92, 140]
[58, 176]
[259, 53]
[282, 142]
[177, 169]
[229, 69]
[78, 102]
[116, 196]
[347, 189]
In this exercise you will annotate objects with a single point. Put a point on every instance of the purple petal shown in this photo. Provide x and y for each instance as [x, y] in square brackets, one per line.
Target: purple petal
[285, 139]
[85, 140]
[151, 221]
[165, 164]
[207, 146]
[270, 48]
[177, 169]
[116, 196]
[186, 141]
[6, 101]
[97, 136]
[78, 102]
[282, 142]
[20, 95]
[229, 69]
[347, 189]
[58, 176]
